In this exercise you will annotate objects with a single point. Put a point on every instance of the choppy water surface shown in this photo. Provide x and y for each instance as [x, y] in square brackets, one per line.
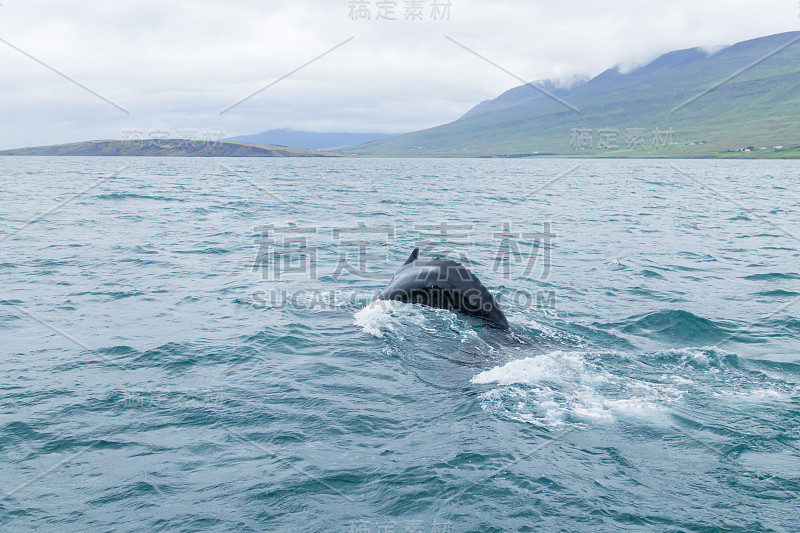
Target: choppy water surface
[153, 379]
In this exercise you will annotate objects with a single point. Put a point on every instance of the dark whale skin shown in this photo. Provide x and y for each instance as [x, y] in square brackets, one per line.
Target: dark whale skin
[444, 284]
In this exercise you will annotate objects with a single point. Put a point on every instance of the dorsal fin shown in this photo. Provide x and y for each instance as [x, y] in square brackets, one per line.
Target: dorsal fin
[412, 257]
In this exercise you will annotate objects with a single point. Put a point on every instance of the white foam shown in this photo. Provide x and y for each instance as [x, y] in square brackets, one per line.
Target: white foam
[399, 320]
[551, 388]
[556, 366]
[678, 380]
[767, 395]
[376, 318]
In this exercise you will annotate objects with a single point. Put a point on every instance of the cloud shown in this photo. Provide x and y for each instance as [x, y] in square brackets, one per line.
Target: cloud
[177, 65]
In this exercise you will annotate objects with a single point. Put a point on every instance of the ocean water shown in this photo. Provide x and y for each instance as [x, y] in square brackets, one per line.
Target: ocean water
[188, 344]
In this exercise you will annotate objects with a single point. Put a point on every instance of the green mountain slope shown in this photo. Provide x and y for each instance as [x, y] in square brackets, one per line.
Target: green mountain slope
[752, 100]
[165, 148]
[307, 140]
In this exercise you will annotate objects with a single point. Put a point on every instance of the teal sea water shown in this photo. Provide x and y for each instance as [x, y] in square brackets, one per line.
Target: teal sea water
[188, 345]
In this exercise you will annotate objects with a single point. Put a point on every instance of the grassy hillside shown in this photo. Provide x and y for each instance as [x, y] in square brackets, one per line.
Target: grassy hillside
[165, 148]
[638, 114]
[307, 140]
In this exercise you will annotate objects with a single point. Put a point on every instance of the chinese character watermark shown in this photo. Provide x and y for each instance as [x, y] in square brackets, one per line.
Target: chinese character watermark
[523, 248]
[444, 239]
[609, 139]
[160, 138]
[582, 139]
[399, 526]
[393, 10]
[285, 250]
[156, 399]
[362, 237]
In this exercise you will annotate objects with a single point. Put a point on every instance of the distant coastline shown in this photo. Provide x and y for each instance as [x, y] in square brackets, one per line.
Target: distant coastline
[197, 148]
[165, 148]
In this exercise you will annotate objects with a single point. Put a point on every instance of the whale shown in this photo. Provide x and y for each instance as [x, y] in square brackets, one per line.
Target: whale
[444, 284]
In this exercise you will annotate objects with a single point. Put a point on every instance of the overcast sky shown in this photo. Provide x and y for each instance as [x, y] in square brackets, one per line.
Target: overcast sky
[174, 66]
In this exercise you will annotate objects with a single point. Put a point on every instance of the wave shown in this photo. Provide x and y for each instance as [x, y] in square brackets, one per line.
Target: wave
[778, 293]
[211, 250]
[673, 325]
[113, 295]
[772, 276]
[134, 196]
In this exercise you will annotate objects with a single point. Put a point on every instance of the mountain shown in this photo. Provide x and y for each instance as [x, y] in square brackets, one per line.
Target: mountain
[165, 148]
[307, 139]
[686, 103]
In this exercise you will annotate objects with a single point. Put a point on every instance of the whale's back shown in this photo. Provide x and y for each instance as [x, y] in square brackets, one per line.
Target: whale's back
[444, 284]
